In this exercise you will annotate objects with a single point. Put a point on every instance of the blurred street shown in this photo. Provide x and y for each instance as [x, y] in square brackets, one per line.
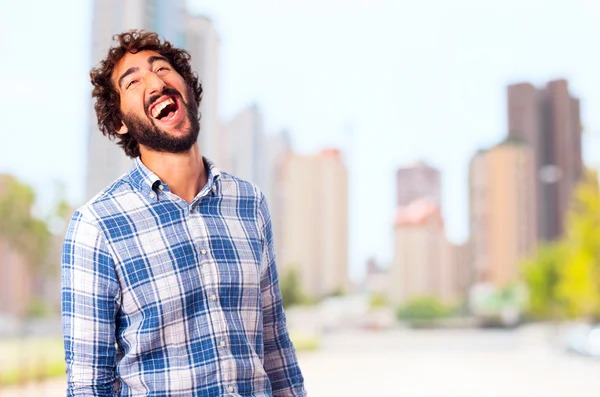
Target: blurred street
[428, 363]
[449, 363]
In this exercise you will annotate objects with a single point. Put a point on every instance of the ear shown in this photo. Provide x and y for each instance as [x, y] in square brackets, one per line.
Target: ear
[123, 130]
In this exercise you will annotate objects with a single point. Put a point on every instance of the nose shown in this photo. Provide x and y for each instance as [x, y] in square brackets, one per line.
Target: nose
[154, 83]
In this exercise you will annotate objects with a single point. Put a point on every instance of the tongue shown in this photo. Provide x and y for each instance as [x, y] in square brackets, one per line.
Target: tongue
[169, 116]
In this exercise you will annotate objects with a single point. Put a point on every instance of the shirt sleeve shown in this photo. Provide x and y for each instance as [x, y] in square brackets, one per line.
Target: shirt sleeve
[90, 292]
[280, 360]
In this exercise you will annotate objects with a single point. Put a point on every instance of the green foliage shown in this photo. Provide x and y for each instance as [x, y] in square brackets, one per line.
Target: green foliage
[578, 285]
[34, 373]
[563, 277]
[338, 292]
[291, 292]
[542, 276]
[38, 308]
[377, 300]
[31, 237]
[426, 308]
[29, 359]
[19, 228]
[305, 343]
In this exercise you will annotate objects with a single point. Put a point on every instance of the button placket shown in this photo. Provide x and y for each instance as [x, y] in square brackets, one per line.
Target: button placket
[209, 271]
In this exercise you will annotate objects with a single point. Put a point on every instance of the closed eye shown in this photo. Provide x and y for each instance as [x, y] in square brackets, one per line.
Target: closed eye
[132, 82]
[161, 69]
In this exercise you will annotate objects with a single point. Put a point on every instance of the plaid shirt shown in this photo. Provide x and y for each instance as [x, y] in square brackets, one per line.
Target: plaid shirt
[162, 297]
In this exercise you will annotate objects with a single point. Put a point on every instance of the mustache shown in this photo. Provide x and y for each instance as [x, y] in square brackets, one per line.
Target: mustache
[167, 92]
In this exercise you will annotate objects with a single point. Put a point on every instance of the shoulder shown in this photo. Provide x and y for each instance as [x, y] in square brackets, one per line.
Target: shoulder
[107, 203]
[232, 186]
[246, 197]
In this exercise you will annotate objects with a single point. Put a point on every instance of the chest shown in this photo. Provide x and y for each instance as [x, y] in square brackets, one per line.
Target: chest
[169, 261]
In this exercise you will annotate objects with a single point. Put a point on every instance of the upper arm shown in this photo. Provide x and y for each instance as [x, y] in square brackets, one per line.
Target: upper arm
[89, 304]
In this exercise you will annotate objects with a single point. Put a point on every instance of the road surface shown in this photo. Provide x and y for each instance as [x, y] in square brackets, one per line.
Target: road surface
[431, 363]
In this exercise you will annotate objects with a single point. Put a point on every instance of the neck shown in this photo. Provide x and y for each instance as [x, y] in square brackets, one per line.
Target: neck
[183, 172]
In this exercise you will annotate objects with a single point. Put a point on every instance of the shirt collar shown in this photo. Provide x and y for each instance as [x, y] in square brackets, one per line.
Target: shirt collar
[213, 175]
[143, 179]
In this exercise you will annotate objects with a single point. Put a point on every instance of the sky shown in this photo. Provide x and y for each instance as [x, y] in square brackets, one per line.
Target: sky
[388, 82]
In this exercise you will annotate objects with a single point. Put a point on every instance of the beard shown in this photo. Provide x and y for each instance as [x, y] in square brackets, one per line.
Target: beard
[148, 134]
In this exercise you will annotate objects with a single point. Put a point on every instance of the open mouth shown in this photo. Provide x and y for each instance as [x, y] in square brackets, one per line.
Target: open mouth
[165, 109]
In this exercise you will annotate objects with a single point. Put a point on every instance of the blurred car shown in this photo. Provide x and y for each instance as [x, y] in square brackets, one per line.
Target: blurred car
[497, 307]
[583, 339]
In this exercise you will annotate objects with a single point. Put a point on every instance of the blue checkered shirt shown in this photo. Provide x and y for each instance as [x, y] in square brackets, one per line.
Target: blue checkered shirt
[162, 297]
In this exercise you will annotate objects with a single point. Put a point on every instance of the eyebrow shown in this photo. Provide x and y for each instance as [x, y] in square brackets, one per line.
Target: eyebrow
[156, 58]
[127, 73]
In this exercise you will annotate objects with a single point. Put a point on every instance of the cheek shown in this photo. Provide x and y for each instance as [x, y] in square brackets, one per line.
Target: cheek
[184, 88]
[134, 106]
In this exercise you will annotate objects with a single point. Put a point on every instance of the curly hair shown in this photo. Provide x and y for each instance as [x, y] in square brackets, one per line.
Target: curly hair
[108, 102]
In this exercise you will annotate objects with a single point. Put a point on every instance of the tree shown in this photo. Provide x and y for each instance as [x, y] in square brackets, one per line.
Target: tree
[18, 227]
[563, 277]
[26, 234]
[291, 293]
[422, 309]
[579, 275]
[542, 276]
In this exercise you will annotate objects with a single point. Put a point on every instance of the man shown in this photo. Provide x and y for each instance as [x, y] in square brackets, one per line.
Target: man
[169, 279]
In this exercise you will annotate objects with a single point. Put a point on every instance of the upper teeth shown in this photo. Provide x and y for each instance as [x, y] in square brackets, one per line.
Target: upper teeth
[158, 108]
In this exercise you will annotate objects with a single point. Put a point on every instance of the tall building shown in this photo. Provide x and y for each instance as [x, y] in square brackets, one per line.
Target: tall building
[106, 160]
[502, 211]
[246, 151]
[376, 280]
[416, 182]
[315, 222]
[279, 148]
[419, 249]
[455, 272]
[548, 120]
[202, 42]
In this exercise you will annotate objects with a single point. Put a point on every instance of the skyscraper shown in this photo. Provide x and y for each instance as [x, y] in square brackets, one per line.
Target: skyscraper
[376, 280]
[315, 222]
[419, 248]
[279, 148]
[416, 182]
[246, 149]
[502, 211]
[202, 42]
[548, 120]
[106, 160]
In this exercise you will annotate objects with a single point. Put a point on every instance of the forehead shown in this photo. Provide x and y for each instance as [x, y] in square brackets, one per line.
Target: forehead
[129, 60]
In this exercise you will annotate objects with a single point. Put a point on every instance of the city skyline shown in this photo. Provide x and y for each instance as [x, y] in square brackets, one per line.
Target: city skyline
[400, 104]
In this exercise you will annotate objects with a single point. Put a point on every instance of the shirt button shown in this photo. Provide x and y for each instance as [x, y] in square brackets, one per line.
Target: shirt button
[161, 187]
[152, 195]
[203, 252]
[230, 389]
[214, 188]
[223, 343]
[213, 297]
